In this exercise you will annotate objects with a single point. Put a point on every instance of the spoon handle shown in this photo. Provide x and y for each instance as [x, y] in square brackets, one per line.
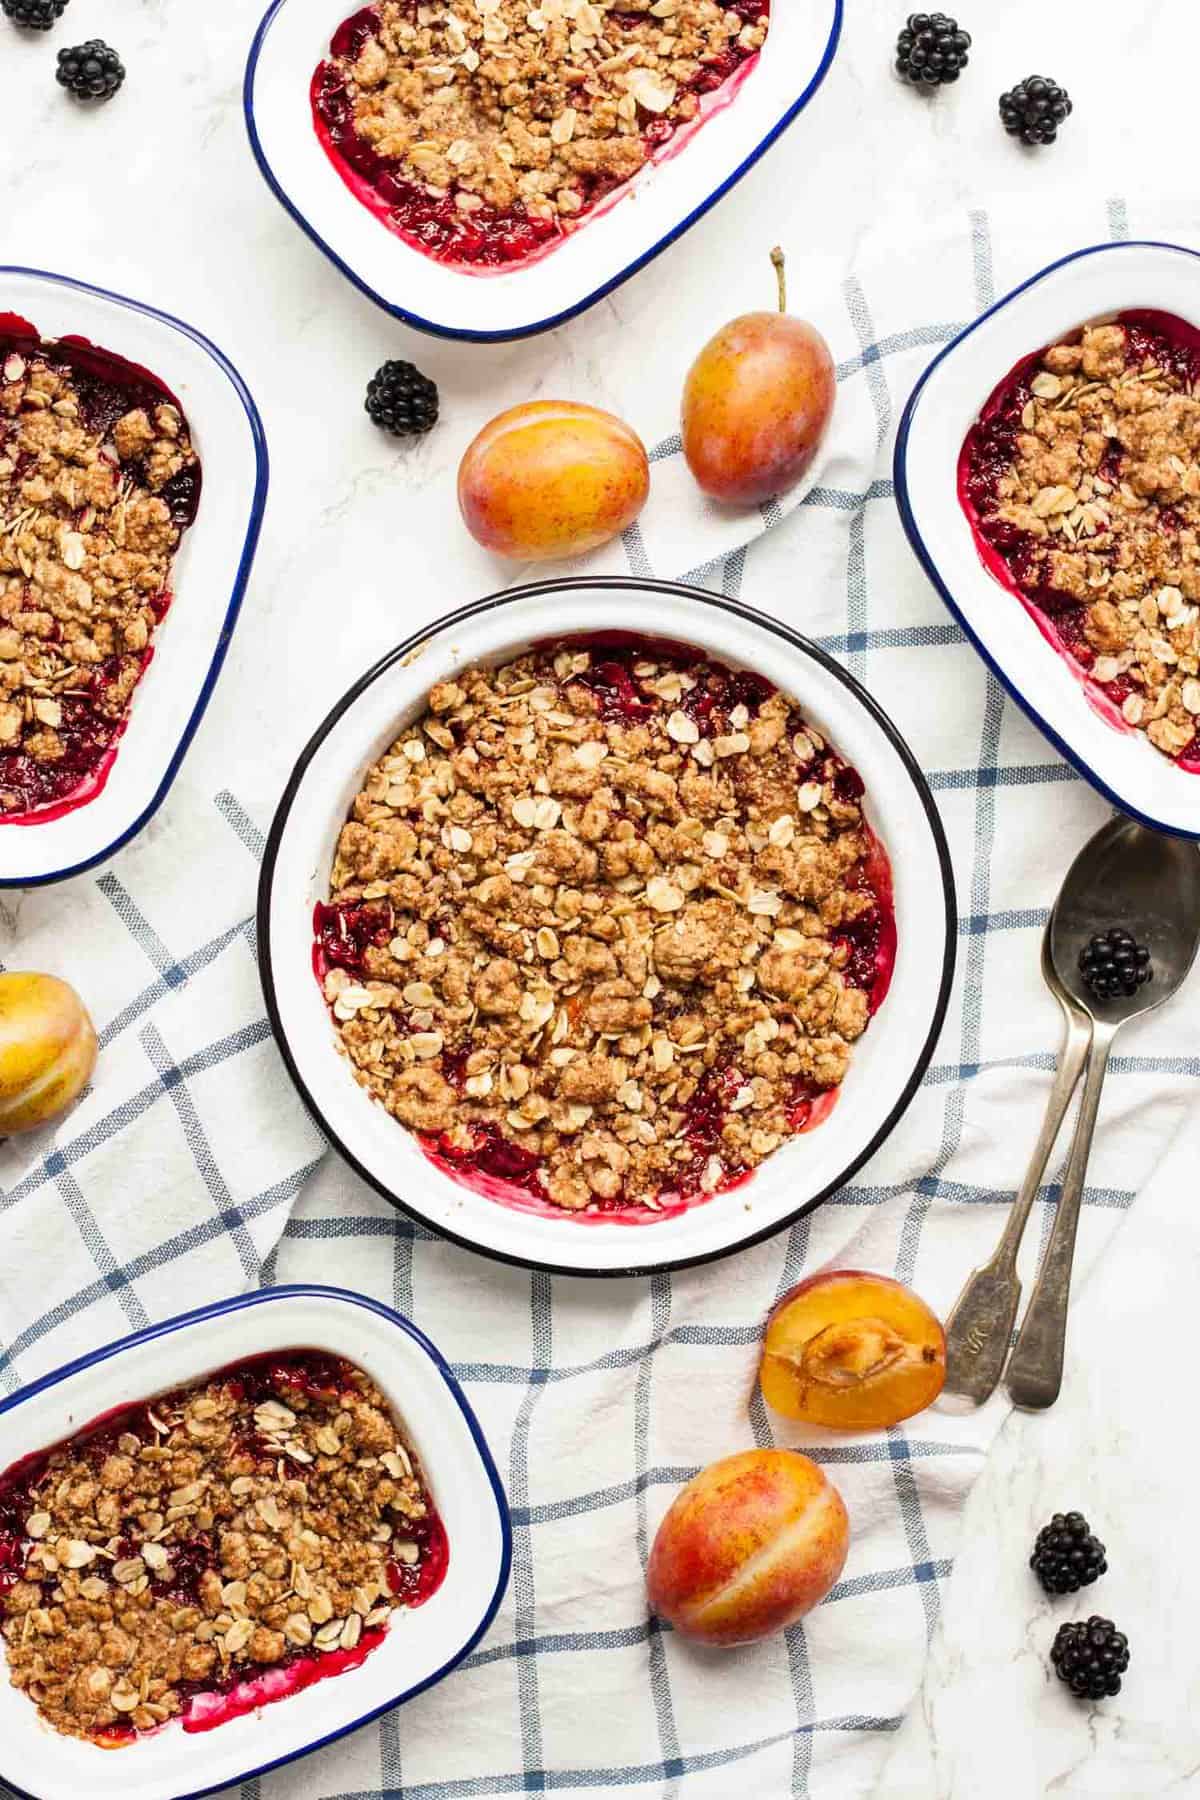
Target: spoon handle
[979, 1330]
[1036, 1367]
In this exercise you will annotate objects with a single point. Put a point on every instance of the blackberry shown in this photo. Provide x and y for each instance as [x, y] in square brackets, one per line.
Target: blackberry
[1114, 963]
[34, 15]
[1066, 1556]
[1034, 109]
[1091, 1658]
[402, 400]
[931, 50]
[90, 71]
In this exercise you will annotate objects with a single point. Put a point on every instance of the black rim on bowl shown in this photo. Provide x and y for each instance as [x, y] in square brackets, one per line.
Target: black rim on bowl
[620, 584]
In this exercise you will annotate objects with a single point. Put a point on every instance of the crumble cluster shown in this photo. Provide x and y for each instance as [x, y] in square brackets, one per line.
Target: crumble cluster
[1105, 485]
[221, 1537]
[503, 101]
[86, 543]
[612, 923]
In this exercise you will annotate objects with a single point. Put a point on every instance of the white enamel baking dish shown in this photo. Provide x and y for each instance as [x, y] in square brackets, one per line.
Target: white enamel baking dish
[1088, 286]
[888, 1061]
[660, 205]
[420, 1648]
[210, 573]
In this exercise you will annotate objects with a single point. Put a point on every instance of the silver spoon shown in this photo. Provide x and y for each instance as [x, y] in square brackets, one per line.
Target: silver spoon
[979, 1330]
[1126, 875]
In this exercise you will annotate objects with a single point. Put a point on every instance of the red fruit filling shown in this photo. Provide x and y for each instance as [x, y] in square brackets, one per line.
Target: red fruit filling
[743, 914]
[489, 236]
[88, 700]
[1082, 584]
[51, 1506]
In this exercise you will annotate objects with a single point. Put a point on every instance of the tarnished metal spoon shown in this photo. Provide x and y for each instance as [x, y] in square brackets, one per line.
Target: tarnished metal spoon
[979, 1330]
[1126, 875]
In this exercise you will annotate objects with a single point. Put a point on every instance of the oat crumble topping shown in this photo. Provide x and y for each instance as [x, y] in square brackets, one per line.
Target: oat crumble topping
[1083, 480]
[485, 126]
[266, 1518]
[98, 481]
[605, 923]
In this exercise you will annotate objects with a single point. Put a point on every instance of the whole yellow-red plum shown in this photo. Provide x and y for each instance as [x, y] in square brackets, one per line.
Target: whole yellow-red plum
[756, 404]
[749, 1546]
[550, 479]
[47, 1050]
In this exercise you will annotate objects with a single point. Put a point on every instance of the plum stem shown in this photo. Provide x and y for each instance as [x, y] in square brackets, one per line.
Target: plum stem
[780, 277]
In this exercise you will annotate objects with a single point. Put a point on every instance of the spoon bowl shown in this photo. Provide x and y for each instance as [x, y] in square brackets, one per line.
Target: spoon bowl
[1127, 875]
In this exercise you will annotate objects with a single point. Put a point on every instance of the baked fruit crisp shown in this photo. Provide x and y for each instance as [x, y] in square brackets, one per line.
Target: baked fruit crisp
[481, 130]
[98, 483]
[604, 924]
[212, 1550]
[1081, 479]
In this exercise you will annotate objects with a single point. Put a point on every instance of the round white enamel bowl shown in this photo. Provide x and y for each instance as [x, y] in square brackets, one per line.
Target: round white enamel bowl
[888, 1061]
[663, 201]
[421, 1646]
[1082, 289]
[209, 577]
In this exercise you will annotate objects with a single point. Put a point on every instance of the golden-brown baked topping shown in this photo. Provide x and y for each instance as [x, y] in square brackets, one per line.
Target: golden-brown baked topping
[605, 923]
[482, 127]
[267, 1518]
[98, 481]
[1082, 478]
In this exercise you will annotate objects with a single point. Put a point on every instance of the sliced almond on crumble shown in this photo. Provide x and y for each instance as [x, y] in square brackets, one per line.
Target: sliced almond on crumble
[662, 895]
[653, 93]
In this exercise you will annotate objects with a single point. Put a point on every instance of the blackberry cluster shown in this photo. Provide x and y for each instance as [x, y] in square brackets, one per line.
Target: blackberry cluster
[1034, 109]
[34, 15]
[1114, 963]
[931, 50]
[1066, 1556]
[91, 71]
[401, 400]
[1091, 1658]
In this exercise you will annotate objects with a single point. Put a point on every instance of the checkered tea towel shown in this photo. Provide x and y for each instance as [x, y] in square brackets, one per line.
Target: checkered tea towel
[185, 1173]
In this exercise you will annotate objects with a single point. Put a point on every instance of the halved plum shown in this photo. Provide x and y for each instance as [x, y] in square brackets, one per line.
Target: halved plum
[853, 1350]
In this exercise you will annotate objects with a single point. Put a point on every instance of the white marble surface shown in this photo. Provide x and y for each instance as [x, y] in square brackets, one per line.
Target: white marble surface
[157, 196]
[991, 1723]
